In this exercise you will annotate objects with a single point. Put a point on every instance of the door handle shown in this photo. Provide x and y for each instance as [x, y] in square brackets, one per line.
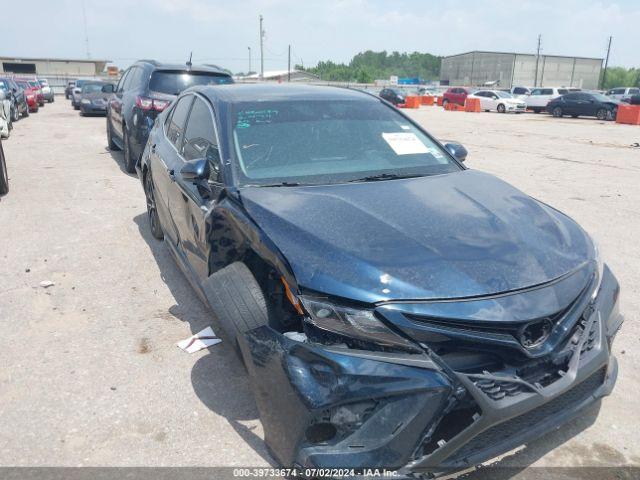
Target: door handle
[153, 148]
[171, 174]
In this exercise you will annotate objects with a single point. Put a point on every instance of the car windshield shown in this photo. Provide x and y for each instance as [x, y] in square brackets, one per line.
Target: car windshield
[92, 87]
[502, 94]
[174, 82]
[326, 142]
[33, 83]
[44, 83]
[600, 98]
[79, 83]
[4, 85]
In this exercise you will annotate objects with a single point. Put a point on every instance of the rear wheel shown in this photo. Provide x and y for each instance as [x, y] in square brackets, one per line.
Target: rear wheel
[129, 161]
[152, 210]
[501, 108]
[26, 112]
[15, 113]
[602, 114]
[4, 177]
[557, 112]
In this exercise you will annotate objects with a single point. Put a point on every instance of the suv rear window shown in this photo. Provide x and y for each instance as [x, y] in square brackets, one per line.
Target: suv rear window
[173, 82]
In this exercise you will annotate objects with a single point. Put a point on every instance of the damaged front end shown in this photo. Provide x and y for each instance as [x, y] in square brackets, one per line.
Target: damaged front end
[433, 387]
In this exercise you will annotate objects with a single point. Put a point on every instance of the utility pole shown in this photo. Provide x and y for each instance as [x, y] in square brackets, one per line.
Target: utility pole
[249, 72]
[289, 65]
[606, 64]
[535, 80]
[261, 50]
[86, 33]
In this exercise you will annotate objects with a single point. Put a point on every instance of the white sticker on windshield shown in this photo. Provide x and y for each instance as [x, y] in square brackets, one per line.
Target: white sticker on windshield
[405, 127]
[405, 143]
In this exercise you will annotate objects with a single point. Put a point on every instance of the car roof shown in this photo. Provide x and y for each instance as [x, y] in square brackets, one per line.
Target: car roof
[183, 66]
[254, 92]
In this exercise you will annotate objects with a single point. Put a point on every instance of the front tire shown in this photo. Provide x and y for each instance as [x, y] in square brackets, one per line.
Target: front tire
[152, 210]
[602, 114]
[557, 112]
[15, 113]
[4, 177]
[129, 161]
[501, 108]
[444, 103]
[237, 300]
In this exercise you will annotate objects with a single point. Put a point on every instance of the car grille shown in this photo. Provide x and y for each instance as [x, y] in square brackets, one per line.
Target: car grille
[506, 430]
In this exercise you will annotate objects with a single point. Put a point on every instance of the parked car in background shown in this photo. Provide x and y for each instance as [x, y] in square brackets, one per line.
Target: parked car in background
[520, 92]
[393, 95]
[372, 303]
[31, 95]
[144, 90]
[539, 97]
[77, 90]
[620, 93]
[455, 95]
[17, 97]
[632, 99]
[584, 104]
[69, 89]
[4, 177]
[94, 97]
[47, 91]
[499, 101]
[38, 90]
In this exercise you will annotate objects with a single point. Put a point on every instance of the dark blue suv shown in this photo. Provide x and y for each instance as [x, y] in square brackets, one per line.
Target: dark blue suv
[146, 89]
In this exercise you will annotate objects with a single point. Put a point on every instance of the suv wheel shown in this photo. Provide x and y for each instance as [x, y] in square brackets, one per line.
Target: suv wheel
[129, 162]
[110, 143]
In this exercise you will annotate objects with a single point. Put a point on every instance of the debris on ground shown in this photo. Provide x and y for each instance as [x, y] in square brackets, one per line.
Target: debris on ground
[46, 284]
[203, 339]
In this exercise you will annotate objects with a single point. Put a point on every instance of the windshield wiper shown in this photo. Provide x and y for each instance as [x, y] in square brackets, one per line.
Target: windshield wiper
[385, 176]
[282, 184]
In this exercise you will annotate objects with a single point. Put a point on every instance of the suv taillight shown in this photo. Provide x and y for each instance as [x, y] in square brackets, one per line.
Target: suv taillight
[146, 103]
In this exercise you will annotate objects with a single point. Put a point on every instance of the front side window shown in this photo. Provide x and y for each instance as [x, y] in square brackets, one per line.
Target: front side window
[519, 90]
[200, 139]
[175, 132]
[326, 142]
[123, 79]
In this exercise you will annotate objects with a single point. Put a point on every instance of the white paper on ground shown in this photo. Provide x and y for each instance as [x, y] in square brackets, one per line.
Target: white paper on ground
[200, 340]
[405, 143]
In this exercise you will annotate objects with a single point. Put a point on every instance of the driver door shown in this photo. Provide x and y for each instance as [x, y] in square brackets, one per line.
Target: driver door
[192, 200]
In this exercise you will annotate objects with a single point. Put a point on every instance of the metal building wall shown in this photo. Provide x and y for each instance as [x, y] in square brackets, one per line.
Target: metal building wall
[510, 69]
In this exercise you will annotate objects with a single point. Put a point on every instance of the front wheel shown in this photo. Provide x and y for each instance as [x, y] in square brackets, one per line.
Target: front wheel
[4, 177]
[445, 102]
[152, 210]
[557, 112]
[15, 114]
[602, 114]
[129, 161]
[501, 108]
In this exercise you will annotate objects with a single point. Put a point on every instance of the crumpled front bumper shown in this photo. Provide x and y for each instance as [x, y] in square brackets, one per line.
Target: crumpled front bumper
[335, 407]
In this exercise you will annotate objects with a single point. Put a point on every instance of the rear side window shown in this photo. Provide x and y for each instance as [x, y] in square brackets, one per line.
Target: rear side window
[200, 139]
[519, 90]
[546, 91]
[634, 91]
[572, 96]
[175, 132]
[174, 82]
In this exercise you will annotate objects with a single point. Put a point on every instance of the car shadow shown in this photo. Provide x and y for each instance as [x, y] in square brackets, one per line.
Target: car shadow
[118, 157]
[219, 378]
[513, 464]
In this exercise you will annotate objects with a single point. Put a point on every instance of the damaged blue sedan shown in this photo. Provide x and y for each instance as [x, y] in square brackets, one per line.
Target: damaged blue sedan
[393, 308]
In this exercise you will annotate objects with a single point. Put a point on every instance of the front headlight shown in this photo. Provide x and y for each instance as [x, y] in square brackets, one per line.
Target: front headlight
[85, 101]
[600, 270]
[354, 323]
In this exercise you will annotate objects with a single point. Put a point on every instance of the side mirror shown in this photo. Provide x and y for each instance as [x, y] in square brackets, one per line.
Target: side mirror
[195, 170]
[109, 88]
[456, 150]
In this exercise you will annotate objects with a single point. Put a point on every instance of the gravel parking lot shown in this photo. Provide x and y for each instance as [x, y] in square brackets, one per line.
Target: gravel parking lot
[90, 371]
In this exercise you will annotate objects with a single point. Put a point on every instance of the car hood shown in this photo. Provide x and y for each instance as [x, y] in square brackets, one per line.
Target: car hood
[463, 234]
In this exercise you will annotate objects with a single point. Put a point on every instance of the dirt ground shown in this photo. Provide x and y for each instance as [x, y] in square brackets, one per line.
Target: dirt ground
[91, 374]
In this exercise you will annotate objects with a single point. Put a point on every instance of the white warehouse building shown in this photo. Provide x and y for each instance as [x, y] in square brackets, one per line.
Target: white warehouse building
[505, 70]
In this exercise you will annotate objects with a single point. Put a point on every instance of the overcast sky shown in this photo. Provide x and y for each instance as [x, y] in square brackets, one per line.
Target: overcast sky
[220, 31]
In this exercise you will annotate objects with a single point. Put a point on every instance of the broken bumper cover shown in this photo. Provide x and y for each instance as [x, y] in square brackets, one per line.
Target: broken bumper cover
[334, 407]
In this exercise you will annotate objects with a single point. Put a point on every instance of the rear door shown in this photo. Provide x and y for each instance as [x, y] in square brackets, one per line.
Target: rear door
[191, 201]
[115, 105]
[166, 163]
